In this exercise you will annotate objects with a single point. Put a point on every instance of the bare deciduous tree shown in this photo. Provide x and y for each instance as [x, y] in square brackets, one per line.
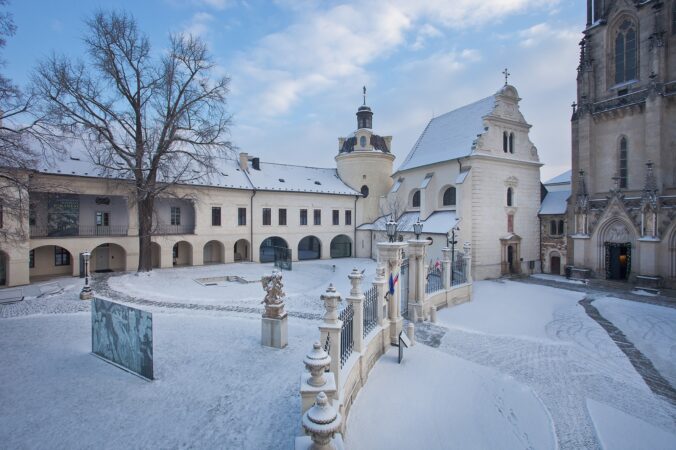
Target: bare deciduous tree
[23, 141]
[155, 121]
[393, 207]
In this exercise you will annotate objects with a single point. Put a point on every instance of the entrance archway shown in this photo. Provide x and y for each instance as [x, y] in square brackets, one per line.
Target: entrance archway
[309, 248]
[155, 255]
[511, 255]
[49, 261]
[616, 241]
[267, 248]
[241, 250]
[108, 258]
[182, 254]
[555, 263]
[214, 253]
[341, 247]
[4, 264]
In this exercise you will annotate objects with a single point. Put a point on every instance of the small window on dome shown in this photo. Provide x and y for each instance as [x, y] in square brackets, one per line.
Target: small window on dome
[365, 191]
[362, 141]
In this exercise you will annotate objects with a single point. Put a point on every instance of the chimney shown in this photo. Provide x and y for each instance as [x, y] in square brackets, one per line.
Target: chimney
[244, 161]
[256, 163]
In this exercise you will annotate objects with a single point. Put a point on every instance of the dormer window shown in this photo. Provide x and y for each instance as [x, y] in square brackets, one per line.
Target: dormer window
[362, 141]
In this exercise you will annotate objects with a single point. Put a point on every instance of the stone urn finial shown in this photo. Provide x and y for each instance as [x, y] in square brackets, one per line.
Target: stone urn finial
[321, 422]
[316, 363]
[331, 299]
[355, 279]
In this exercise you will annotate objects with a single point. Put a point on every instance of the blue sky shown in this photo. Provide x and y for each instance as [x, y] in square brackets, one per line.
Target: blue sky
[297, 66]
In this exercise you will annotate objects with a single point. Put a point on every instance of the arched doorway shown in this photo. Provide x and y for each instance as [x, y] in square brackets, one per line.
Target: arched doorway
[214, 253]
[616, 240]
[309, 248]
[241, 250]
[4, 264]
[49, 261]
[510, 258]
[555, 263]
[341, 246]
[108, 258]
[182, 254]
[511, 255]
[268, 246]
[155, 255]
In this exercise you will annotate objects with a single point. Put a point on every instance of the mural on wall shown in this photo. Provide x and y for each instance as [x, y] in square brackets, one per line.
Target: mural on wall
[63, 215]
[123, 336]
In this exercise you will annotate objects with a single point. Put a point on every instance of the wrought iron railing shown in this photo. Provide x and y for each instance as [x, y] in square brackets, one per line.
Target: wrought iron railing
[458, 269]
[165, 228]
[620, 101]
[77, 230]
[435, 281]
[370, 310]
[346, 337]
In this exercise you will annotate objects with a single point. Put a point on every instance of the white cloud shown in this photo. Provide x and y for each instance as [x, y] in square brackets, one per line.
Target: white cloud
[199, 25]
[426, 31]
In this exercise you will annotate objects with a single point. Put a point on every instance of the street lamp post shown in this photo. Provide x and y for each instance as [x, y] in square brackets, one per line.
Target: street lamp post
[391, 229]
[417, 228]
[86, 293]
[451, 243]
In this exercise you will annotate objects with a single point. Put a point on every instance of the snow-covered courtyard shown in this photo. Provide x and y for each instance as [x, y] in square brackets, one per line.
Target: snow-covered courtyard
[520, 366]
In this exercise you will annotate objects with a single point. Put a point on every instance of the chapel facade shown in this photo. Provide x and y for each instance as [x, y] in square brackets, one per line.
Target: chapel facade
[623, 202]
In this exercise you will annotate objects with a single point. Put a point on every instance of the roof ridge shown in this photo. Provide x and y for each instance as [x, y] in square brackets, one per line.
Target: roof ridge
[297, 165]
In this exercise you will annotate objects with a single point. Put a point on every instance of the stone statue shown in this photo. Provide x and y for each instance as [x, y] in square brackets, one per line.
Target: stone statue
[274, 295]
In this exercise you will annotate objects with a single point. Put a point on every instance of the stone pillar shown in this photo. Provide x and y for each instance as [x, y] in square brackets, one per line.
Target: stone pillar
[322, 425]
[389, 253]
[380, 282]
[356, 299]
[446, 267]
[467, 248]
[330, 330]
[316, 379]
[416, 275]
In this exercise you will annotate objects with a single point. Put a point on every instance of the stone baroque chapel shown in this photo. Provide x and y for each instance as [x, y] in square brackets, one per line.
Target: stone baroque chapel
[623, 203]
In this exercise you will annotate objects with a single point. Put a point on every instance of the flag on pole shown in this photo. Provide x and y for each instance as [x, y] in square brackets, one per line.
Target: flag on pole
[393, 282]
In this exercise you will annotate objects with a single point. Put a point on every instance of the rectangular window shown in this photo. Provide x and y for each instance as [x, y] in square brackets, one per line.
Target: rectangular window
[32, 215]
[61, 257]
[215, 216]
[241, 216]
[318, 216]
[303, 216]
[267, 216]
[348, 217]
[31, 259]
[336, 217]
[282, 216]
[175, 215]
[102, 219]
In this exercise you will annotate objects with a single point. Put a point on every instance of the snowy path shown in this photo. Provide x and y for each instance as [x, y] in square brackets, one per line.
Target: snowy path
[542, 338]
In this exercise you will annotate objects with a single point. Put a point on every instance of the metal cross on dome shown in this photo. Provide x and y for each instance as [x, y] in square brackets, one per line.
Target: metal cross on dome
[364, 95]
[506, 74]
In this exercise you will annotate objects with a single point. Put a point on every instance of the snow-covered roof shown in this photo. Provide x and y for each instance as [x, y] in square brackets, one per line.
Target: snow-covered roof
[564, 178]
[555, 202]
[283, 177]
[439, 222]
[450, 135]
[461, 176]
[77, 162]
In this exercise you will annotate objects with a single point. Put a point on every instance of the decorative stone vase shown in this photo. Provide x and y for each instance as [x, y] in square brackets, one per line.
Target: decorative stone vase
[316, 362]
[321, 423]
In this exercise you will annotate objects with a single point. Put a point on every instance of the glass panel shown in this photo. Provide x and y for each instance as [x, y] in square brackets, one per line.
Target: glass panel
[630, 59]
[619, 58]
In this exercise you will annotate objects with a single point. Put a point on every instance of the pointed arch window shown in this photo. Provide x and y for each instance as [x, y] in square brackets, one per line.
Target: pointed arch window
[504, 141]
[510, 197]
[449, 197]
[623, 166]
[625, 52]
[415, 202]
[511, 142]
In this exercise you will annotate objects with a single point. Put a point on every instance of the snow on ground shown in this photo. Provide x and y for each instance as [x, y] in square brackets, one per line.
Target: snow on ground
[65, 301]
[651, 328]
[542, 341]
[469, 407]
[621, 431]
[216, 386]
[559, 278]
[303, 285]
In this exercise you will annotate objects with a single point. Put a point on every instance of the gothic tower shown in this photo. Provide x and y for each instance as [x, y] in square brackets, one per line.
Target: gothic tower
[364, 163]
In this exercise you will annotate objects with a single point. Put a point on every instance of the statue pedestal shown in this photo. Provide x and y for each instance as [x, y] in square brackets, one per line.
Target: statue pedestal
[274, 332]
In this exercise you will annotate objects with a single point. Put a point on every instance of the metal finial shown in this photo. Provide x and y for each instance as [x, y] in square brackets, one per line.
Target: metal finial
[364, 88]
[506, 74]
